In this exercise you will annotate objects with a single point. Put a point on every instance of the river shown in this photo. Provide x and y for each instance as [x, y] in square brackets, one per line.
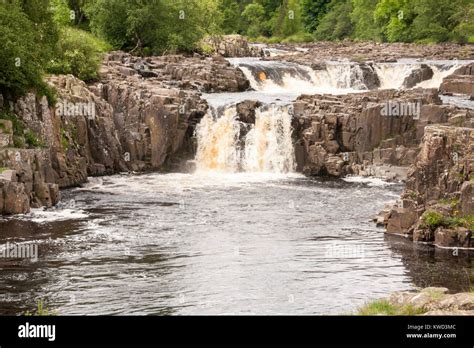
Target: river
[244, 234]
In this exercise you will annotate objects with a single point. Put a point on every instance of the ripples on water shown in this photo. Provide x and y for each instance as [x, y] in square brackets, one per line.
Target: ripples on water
[215, 244]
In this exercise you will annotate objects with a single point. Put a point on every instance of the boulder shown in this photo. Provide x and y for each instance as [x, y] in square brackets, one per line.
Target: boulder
[423, 73]
[453, 237]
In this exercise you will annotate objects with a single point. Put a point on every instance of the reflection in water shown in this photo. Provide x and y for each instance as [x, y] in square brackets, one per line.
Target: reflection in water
[429, 266]
[215, 244]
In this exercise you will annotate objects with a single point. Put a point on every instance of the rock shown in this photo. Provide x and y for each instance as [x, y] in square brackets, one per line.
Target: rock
[423, 73]
[459, 85]
[232, 46]
[354, 123]
[453, 237]
[246, 111]
[466, 201]
[15, 199]
[460, 82]
[400, 220]
[369, 76]
[442, 169]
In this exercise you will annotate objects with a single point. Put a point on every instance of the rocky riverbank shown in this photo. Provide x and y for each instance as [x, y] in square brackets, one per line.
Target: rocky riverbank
[142, 114]
[427, 301]
[320, 52]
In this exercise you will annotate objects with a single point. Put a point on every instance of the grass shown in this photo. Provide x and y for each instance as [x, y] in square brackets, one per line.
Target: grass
[451, 202]
[2, 170]
[433, 220]
[41, 310]
[384, 307]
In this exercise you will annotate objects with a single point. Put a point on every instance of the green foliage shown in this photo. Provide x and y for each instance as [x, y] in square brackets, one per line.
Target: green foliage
[287, 20]
[384, 307]
[160, 26]
[254, 15]
[41, 310]
[433, 219]
[3, 169]
[336, 24]
[22, 136]
[27, 44]
[298, 38]
[312, 12]
[363, 18]
[79, 53]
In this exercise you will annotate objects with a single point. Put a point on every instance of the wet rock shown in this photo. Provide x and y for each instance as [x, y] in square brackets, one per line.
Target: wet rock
[400, 220]
[14, 198]
[246, 111]
[423, 73]
[460, 82]
[453, 237]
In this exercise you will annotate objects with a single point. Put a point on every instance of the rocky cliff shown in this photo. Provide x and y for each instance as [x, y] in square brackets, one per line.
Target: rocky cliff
[140, 116]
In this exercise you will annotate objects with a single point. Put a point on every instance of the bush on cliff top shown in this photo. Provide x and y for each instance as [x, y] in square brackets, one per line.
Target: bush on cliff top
[79, 53]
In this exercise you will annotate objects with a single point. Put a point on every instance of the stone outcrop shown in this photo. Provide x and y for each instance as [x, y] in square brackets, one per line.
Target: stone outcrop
[351, 134]
[435, 301]
[423, 73]
[140, 116]
[200, 73]
[319, 52]
[437, 204]
[231, 46]
[460, 82]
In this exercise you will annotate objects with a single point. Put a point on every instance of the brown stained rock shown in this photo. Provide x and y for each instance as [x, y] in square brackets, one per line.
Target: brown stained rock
[423, 73]
[400, 220]
[466, 201]
[453, 237]
[246, 111]
[15, 199]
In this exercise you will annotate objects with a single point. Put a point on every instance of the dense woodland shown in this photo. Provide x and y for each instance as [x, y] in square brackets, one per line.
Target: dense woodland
[70, 36]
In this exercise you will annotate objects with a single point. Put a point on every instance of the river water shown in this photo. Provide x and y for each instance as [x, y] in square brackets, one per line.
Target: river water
[216, 244]
[242, 235]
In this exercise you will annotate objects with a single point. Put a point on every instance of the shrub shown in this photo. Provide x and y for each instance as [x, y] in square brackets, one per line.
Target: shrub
[432, 219]
[79, 53]
[384, 307]
[299, 38]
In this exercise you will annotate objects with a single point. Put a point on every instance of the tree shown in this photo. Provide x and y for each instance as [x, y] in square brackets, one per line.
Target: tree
[27, 44]
[289, 19]
[365, 27]
[254, 15]
[312, 12]
[336, 24]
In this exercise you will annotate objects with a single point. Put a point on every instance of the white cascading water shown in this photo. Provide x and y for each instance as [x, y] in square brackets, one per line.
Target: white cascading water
[392, 75]
[337, 77]
[267, 147]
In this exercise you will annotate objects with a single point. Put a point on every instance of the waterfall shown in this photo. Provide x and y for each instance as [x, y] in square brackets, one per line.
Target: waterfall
[392, 75]
[266, 147]
[281, 77]
[337, 77]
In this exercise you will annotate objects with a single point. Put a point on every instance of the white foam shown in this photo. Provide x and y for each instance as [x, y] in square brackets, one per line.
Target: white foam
[370, 181]
[49, 215]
